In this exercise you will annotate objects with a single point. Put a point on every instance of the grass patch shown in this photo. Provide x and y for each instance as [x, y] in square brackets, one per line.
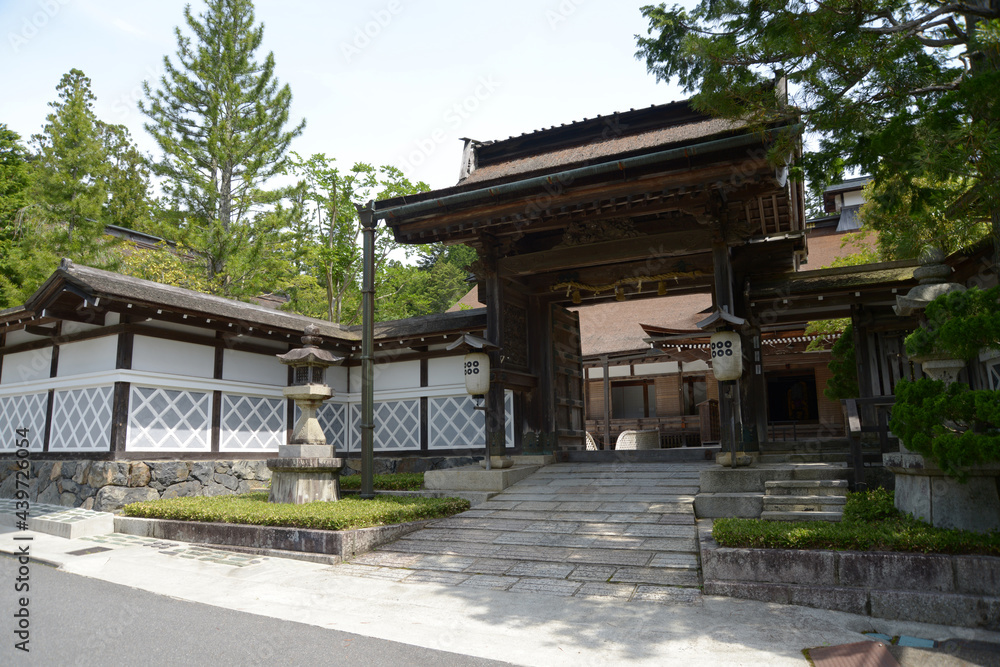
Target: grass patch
[397, 481]
[254, 509]
[871, 523]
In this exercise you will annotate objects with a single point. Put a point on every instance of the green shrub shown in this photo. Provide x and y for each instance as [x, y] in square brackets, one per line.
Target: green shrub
[399, 481]
[871, 523]
[254, 509]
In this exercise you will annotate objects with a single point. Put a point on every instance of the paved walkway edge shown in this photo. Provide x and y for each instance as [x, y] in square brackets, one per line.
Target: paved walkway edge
[930, 588]
[345, 544]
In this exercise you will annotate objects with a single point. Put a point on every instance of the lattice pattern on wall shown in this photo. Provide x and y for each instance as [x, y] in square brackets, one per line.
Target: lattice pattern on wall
[169, 419]
[251, 423]
[27, 411]
[333, 420]
[81, 420]
[454, 423]
[397, 425]
[993, 373]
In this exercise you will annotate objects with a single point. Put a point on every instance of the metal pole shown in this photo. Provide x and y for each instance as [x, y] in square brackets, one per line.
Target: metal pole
[368, 223]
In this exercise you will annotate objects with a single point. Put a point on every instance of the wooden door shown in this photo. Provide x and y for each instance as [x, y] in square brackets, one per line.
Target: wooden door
[567, 380]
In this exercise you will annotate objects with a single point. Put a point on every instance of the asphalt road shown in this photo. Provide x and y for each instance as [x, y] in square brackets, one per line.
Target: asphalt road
[76, 620]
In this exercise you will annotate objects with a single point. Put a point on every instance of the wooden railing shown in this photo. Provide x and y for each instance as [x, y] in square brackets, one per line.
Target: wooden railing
[877, 409]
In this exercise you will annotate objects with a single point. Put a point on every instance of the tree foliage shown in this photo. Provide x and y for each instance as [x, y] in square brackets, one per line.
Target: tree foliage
[220, 119]
[901, 90]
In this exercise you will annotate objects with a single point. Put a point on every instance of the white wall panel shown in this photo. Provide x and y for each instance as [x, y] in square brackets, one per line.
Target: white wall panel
[27, 366]
[619, 371]
[405, 375]
[81, 420]
[695, 366]
[336, 377]
[22, 336]
[250, 367]
[184, 328]
[158, 355]
[69, 327]
[445, 371]
[88, 356]
[658, 368]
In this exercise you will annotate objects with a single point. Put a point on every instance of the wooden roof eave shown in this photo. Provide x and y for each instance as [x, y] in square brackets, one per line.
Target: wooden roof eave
[396, 216]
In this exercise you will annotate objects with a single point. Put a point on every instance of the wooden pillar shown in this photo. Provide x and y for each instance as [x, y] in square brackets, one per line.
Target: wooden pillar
[730, 421]
[495, 412]
[607, 403]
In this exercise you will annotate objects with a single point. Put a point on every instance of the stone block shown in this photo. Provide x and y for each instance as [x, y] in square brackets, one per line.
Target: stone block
[474, 478]
[787, 566]
[301, 452]
[978, 575]
[203, 472]
[722, 505]
[68, 486]
[80, 474]
[851, 600]
[899, 571]
[228, 481]
[68, 469]
[138, 475]
[970, 611]
[103, 473]
[50, 495]
[111, 498]
[166, 473]
[740, 480]
[778, 593]
[56, 472]
[182, 489]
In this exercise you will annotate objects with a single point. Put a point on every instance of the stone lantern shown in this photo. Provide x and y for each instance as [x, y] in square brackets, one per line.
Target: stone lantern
[306, 469]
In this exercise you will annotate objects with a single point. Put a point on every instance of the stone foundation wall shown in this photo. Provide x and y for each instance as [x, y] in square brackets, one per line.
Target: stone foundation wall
[106, 486]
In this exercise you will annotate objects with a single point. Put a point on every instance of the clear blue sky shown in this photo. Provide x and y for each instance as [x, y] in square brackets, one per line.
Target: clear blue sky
[382, 81]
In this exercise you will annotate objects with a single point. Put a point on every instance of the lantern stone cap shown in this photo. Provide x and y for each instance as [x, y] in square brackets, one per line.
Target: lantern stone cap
[470, 342]
[720, 318]
[310, 354]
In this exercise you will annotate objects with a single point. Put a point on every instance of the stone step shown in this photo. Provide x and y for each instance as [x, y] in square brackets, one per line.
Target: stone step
[792, 457]
[797, 487]
[722, 505]
[803, 504]
[820, 471]
[792, 517]
[68, 522]
[805, 446]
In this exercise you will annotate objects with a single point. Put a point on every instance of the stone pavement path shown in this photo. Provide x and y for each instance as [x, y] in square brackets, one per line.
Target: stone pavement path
[621, 530]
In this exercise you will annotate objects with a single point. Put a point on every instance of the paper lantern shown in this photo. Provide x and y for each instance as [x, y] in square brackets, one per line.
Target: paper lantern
[727, 355]
[477, 373]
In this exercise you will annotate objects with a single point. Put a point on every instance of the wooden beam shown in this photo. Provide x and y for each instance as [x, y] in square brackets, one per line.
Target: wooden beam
[655, 247]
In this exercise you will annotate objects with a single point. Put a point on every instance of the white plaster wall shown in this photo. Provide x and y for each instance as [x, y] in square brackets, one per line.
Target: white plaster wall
[336, 377]
[27, 366]
[446, 370]
[855, 198]
[400, 375]
[112, 318]
[172, 326]
[596, 373]
[250, 367]
[695, 366]
[157, 355]
[74, 327]
[21, 336]
[88, 356]
[658, 368]
[619, 371]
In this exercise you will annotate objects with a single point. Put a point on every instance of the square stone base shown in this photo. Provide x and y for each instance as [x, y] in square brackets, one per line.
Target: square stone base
[475, 478]
[298, 488]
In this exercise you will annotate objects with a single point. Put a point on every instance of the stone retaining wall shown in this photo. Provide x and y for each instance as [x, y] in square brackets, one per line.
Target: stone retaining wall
[948, 590]
[108, 485]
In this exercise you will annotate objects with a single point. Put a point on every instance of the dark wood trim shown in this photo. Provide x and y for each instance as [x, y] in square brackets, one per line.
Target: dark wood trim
[50, 399]
[126, 345]
[3, 342]
[220, 355]
[424, 406]
[234, 456]
[54, 364]
[119, 418]
[216, 420]
[290, 417]
[65, 339]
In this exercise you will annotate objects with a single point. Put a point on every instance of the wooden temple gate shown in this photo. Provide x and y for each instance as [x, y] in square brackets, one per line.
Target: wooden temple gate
[646, 203]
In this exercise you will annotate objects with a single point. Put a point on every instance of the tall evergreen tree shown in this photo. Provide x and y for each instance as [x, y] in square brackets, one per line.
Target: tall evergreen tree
[69, 184]
[901, 90]
[220, 118]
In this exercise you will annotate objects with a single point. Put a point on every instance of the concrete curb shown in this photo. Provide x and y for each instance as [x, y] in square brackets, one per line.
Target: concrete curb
[345, 544]
[929, 588]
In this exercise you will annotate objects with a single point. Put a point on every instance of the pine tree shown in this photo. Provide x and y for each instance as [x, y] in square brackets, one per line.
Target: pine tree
[69, 184]
[220, 117]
